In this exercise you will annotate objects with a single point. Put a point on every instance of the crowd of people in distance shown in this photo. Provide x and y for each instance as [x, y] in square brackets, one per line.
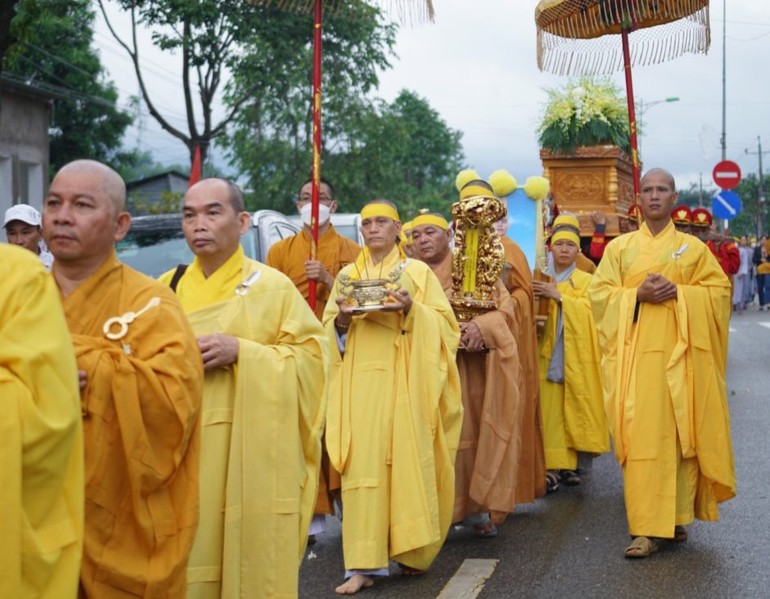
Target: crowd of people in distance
[189, 436]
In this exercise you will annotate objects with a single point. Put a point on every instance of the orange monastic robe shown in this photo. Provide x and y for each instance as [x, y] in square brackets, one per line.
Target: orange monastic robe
[335, 251]
[140, 419]
[518, 280]
[488, 458]
[585, 264]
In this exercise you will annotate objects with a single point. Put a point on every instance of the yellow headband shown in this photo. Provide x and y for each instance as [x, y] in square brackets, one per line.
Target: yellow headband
[473, 190]
[386, 210]
[566, 233]
[407, 226]
[430, 219]
[566, 219]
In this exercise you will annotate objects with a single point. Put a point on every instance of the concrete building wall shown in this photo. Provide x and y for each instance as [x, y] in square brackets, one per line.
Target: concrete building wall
[24, 147]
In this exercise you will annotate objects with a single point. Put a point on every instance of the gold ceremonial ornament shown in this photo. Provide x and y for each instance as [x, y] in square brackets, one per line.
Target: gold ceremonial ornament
[123, 321]
[370, 295]
[478, 256]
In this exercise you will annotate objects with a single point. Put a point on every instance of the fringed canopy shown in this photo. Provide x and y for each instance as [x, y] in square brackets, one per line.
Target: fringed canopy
[575, 37]
[402, 10]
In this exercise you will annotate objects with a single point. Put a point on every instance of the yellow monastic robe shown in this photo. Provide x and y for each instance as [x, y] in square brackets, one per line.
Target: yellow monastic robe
[573, 411]
[335, 251]
[262, 423]
[663, 369]
[41, 436]
[490, 448]
[393, 423]
[140, 418]
[518, 280]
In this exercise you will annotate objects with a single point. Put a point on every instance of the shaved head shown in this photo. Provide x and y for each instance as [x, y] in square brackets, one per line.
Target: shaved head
[112, 183]
[663, 173]
[232, 191]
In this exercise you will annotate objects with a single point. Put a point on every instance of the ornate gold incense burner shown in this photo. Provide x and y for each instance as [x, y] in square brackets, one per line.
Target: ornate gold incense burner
[369, 295]
[478, 256]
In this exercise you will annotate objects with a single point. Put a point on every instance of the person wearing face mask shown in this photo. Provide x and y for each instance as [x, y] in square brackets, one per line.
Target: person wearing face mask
[291, 257]
[335, 251]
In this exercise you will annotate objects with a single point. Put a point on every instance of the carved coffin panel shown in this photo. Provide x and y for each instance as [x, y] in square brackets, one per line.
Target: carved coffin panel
[593, 178]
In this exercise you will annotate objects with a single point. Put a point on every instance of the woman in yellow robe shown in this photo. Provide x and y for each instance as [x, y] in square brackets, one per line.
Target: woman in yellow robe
[41, 437]
[395, 413]
[570, 387]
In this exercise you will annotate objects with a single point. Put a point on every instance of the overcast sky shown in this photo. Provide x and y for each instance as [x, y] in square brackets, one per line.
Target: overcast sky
[477, 67]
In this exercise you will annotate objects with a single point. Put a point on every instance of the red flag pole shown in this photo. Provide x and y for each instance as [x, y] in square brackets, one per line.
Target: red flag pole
[631, 114]
[196, 172]
[316, 176]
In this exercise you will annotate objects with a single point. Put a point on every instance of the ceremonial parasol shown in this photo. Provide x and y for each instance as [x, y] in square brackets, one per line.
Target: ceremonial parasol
[577, 37]
[406, 9]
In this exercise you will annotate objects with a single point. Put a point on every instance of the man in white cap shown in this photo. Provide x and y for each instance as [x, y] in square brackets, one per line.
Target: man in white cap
[23, 227]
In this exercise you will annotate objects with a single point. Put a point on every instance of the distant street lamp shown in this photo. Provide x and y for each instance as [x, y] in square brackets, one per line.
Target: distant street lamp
[642, 110]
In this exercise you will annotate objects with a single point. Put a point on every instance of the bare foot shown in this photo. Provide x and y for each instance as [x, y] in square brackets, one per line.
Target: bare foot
[354, 584]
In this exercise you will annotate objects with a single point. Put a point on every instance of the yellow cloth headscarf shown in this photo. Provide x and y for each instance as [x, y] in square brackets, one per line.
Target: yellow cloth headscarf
[565, 233]
[474, 189]
[386, 210]
[364, 260]
[431, 219]
[569, 220]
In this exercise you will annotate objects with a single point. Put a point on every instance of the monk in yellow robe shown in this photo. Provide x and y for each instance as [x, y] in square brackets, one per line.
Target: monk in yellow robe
[488, 361]
[41, 452]
[291, 257]
[335, 251]
[570, 384]
[140, 394]
[395, 412]
[517, 277]
[265, 357]
[661, 303]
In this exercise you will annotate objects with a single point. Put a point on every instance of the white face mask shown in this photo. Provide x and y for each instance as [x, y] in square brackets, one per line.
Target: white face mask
[324, 212]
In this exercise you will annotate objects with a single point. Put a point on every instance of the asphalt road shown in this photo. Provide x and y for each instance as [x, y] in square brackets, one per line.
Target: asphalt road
[571, 542]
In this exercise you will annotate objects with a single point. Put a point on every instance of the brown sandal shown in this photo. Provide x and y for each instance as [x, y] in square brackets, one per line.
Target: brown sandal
[409, 571]
[680, 534]
[641, 547]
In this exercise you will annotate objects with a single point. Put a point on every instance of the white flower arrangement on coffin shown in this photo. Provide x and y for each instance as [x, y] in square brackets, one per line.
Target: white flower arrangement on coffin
[585, 112]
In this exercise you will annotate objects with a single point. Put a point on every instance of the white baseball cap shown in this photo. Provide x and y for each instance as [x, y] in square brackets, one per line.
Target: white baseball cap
[23, 212]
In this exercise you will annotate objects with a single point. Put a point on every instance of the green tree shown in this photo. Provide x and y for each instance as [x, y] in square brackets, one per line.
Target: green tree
[696, 196]
[270, 141]
[216, 40]
[8, 10]
[55, 54]
[402, 151]
[753, 219]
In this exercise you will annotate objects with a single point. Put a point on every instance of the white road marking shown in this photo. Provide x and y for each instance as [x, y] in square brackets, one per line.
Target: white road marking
[469, 579]
[765, 324]
[732, 330]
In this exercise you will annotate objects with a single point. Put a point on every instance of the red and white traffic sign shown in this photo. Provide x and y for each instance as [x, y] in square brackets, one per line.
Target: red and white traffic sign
[727, 174]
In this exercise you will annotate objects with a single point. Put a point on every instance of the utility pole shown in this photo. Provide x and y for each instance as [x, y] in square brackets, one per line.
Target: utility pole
[700, 191]
[724, 80]
[760, 186]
